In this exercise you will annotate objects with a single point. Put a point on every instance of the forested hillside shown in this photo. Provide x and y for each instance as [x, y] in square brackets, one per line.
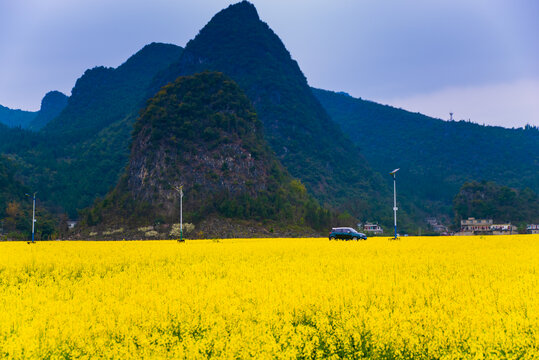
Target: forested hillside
[488, 200]
[308, 143]
[10, 189]
[436, 157]
[339, 147]
[16, 118]
[202, 131]
[52, 105]
[16, 209]
[103, 95]
[79, 155]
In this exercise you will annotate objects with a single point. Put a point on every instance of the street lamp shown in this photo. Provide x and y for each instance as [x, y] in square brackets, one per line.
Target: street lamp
[395, 208]
[180, 190]
[33, 214]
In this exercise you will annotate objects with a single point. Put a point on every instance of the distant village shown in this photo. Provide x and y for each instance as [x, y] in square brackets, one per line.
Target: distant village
[473, 226]
[470, 226]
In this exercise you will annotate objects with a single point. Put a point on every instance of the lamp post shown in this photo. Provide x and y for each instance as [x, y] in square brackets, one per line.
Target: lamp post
[33, 214]
[180, 190]
[395, 208]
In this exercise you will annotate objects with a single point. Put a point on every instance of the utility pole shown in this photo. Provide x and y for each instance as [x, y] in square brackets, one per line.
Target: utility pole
[33, 214]
[395, 198]
[180, 190]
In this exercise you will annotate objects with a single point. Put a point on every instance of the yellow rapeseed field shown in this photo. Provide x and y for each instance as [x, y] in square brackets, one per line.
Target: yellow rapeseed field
[420, 298]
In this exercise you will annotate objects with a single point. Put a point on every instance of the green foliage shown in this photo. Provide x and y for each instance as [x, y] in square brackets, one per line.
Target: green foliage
[103, 96]
[436, 157]
[208, 107]
[10, 189]
[488, 200]
[117, 207]
[16, 208]
[16, 118]
[80, 154]
[203, 114]
[306, 141]
[52, 105]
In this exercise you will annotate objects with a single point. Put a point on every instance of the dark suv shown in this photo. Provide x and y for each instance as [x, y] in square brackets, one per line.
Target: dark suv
[346, 233]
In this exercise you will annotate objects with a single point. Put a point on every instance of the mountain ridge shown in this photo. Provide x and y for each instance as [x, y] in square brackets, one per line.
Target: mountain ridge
[341, 148]
[16, 117]
[436, 157]
[201, 131]
[80, 154]
[305, 139]
[99, 94]
[52, 104]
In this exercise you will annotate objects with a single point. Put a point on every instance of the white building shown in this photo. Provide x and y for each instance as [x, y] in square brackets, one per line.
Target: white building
[532, 229]
[503, 229]
[373, 228]
[471, 226]
[435, 225]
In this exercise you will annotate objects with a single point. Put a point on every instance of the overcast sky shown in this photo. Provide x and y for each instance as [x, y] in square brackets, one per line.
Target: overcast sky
[476, 58]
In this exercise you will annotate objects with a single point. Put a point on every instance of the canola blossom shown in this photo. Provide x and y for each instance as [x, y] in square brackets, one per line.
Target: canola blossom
[416, 298]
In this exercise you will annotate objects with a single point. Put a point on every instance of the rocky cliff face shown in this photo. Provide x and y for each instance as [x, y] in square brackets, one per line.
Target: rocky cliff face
[302, 135]
[227, 167]
[201, 132]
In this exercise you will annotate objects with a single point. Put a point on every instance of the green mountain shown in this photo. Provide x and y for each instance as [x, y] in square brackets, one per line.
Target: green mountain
[305, 139]
[436, 157]
[80, 154]
[16, 118]
[16, 209]
[202, 131]
[10, 188]
[12, 194]
[51, 106]
[334, 144]
[103, 96]
[488, 200]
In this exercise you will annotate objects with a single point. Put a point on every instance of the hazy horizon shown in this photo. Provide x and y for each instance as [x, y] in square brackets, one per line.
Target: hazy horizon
[478, 60]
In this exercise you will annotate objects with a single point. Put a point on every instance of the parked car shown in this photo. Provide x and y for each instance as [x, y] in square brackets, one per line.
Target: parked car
[346, 233]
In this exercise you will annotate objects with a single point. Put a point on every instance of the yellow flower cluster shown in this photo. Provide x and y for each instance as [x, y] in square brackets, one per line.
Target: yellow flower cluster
[420, 298]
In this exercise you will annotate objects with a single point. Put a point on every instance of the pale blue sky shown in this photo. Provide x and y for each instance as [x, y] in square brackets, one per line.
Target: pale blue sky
[478, 59]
